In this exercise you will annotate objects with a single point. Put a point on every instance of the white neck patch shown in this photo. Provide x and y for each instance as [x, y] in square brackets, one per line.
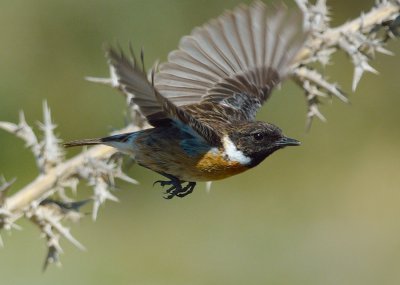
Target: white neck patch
[233, 153]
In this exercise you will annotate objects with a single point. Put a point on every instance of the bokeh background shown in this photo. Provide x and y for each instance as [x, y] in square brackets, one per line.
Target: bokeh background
[324, 213]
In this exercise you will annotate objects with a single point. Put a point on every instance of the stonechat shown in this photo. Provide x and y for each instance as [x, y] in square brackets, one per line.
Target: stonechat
[202, 102]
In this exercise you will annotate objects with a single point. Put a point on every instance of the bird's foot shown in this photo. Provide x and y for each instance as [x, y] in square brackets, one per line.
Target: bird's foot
[176, 188]
[186, 190]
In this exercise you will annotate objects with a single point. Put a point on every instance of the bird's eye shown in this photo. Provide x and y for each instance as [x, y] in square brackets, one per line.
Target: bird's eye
[258, 136]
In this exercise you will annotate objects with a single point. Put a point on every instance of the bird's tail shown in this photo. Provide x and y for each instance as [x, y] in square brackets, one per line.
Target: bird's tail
[83, 142]
[111, 140]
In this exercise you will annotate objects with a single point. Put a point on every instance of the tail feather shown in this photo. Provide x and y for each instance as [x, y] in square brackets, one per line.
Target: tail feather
[111, 140]
[84, 142]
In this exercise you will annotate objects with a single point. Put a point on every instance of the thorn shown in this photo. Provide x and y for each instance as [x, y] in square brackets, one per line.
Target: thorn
[309, 122]
[359, 71]
[208, 186]
[4, 189]
[106, 81]
[8, 127]
[368, 67]
[314, 112]
[22, 120]
[382, 50]
[126, 178]
[96, 205]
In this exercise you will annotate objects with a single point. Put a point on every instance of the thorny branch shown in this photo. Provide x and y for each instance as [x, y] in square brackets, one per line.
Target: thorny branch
[45, 202]
[360, 39]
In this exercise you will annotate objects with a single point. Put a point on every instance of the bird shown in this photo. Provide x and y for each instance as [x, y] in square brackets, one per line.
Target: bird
[202, 103]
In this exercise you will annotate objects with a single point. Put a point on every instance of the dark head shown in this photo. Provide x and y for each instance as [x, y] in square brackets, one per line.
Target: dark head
[258, 140]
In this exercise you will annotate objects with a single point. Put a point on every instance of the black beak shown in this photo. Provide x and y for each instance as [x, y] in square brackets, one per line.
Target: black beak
[285, 141]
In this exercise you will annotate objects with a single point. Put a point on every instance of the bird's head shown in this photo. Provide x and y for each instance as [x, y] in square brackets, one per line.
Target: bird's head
[256, 141]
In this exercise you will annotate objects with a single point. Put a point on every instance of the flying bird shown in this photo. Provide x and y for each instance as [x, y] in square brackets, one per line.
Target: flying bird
[203, 101]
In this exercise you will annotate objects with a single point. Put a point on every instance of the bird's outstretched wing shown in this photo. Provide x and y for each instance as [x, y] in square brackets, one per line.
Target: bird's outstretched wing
[234, 60]
[157, 109]
[131, 77]
[225, 70]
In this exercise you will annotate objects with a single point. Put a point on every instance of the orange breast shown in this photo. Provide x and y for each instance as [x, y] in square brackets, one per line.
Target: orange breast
[213, 166]
[167, 156]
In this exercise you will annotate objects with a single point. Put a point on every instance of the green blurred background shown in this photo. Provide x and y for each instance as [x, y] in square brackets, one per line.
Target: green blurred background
[324, 213]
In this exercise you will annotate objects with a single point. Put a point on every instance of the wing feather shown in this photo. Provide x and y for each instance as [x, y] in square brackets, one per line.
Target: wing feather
[248, 50]
[133, 80]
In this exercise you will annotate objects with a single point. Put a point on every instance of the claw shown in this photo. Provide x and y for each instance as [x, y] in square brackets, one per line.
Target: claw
[172, 191]
[162, 183]
[168, 196]
[176, 188]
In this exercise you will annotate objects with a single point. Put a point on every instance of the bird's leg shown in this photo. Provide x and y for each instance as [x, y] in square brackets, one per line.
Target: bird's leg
[176, 188]
[174, 182]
